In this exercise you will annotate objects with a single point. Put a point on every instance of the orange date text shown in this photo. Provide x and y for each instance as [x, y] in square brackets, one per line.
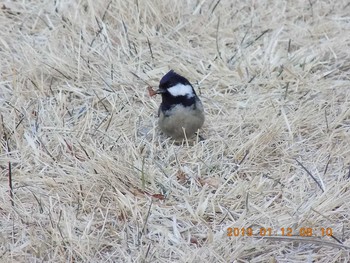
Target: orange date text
[283, 231]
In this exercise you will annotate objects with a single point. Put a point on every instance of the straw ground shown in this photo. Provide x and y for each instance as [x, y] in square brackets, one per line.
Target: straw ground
[93, 179]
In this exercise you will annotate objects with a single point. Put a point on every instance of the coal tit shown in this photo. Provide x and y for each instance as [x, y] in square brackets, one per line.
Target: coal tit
[181, 112]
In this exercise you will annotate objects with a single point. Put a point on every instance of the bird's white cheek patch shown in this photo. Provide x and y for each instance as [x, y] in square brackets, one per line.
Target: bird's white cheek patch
[181, 90]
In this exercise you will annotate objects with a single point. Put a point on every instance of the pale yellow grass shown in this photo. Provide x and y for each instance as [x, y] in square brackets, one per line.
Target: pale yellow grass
[93, 178]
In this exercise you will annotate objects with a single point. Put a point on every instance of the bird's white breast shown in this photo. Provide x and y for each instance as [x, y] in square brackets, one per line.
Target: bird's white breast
[182, 118]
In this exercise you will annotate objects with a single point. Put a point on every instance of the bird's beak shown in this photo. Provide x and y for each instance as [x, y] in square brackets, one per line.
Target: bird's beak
[160, 91]
[153, 92]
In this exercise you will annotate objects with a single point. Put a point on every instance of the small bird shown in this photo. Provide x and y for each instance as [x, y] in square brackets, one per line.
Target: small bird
[181, 112]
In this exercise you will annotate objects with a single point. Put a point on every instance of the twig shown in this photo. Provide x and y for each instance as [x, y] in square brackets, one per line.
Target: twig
[60, 72]
[276, 181]
[257, 38]
[217, 3]
[336, 239]
[109, 122]
[289, 45]
[138, 77]
[10, 181]
[309, 173]
[245, 156]
[217, 38]
[6, 138]
[146, 220]
[286, 92]
[325, 116]
[101, 101]
[46, 150]
[98, 24]
[105, 12]
[263, 33]
[150, 48]
[326, 168]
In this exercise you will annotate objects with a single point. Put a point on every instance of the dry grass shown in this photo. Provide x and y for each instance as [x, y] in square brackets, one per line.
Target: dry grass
[95, 181]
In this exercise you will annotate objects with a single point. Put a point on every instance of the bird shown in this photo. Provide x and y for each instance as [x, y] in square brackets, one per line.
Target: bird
[181, 112]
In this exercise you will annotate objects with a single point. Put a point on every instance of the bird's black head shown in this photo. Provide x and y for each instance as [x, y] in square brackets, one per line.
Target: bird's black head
[176, 89]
